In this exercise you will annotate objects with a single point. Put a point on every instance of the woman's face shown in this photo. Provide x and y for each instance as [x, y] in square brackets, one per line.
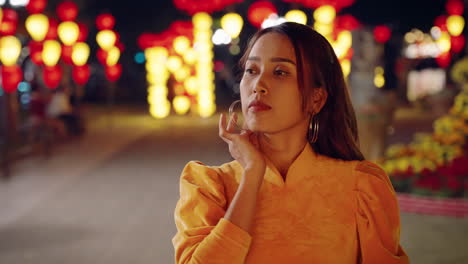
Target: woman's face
[271, 100]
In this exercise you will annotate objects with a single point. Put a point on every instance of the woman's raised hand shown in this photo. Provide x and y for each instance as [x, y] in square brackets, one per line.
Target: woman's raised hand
[243, 146]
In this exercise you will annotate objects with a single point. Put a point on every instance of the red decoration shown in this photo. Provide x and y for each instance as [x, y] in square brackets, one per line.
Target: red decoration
[382, 34]
[259, 11]
[457, 43]
[67, 11]
[113, 72]
[105, 21]
[35, 51]
[208, 6]
[102, 56]
[52, 33]
[67, 54]
[81, 74]
[52, 76]
[337, 4]
[441, 22]
[444, 60]
[9, 22]
[120, 46]
[454, 7]
[11, 77]
[83, 35]
[36, 6]
[347, 22]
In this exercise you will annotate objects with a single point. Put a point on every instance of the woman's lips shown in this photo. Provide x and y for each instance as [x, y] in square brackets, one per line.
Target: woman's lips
[257, 106]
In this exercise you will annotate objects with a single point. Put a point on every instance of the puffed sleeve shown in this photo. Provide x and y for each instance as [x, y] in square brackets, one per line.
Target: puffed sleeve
[377, 217]
[203, 235]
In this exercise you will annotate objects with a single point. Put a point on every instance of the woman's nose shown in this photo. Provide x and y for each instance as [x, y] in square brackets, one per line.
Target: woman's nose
[260, 89]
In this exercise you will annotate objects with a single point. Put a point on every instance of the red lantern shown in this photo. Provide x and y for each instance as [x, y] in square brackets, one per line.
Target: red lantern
[81, 74]
[83, 35]
[105, 21]
[11, 77]
[67, 11]
[444, 59]
[382, 34]
[441, 22]
[102, 56]
[52, 33]
[67, 54]
[347, 22]
[208, 6]
[259, 11]
[457, 43]
[337, 4]
[454, 7]
[9, 22]
[36, 6]
[113, 72]
[35, 51]
[120, 46]
[52, 76]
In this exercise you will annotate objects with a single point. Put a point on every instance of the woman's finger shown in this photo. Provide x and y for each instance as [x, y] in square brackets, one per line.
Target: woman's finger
[232, 123]
[226, 136]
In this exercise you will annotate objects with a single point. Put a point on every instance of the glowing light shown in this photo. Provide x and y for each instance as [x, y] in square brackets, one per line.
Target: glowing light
[181, 44]
[68, 32]
[324, 29]
[346, 67]
[191, 86]
[190, 57]
[410, 37]
[10, 49]
[232, 23]
[296, 16]
[436, 32]
[140, 58]
[174, 63]
[106, 39]
[202, 21]
[160, 109]
[345, 39]
[17, 3]
[80, 53]
[113, 56]
[37, 26]
[325, 14]
[51, 52]
[220, 37]
[444, 42]
[182, 73]
[273, 20]
[181, 104]
[455, 25]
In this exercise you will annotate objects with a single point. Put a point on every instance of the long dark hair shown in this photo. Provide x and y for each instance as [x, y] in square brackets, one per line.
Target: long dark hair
[318, 67]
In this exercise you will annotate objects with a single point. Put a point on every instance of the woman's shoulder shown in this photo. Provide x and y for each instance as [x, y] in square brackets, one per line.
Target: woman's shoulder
[196, 169]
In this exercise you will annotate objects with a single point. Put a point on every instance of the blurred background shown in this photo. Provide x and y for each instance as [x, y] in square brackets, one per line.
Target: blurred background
[102, 103]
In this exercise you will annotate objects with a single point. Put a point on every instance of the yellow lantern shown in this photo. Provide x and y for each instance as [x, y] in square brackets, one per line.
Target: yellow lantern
[80, 53]
[232, 23]
[174, 63]
[191, 85]
[181, 104]
[181, 44]
[37, 26]
[156, 53]
[10, 49]
[160, 109]
[325, 14]
[106, 39]
[202, 21]
[324, 29]
[296, 16]
[51, 52]
[455, 25]
[345, 39]
[444, 42]
[113, 56]
[346, 67]
[68, 32]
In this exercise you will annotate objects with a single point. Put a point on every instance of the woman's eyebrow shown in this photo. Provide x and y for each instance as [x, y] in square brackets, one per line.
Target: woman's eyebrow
[274, 59]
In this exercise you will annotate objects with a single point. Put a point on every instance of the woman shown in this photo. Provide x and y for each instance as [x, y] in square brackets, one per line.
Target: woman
[299, 190]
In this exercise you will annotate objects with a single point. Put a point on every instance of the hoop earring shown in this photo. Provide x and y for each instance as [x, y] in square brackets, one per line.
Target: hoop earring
[313, 129]
[231, 111]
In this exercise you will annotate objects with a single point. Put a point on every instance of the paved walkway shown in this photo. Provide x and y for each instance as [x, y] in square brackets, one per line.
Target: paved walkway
[109, 197]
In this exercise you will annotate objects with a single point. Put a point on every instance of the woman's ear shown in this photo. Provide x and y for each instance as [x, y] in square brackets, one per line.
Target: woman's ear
[318, 99]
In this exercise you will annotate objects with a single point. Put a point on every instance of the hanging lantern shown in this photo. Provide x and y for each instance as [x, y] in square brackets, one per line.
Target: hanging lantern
[455, 25]
[444, 59]
[68, 32]
[51, 52]
[181, 44]
[10, 49]
[382, 34]
[232, 23]
[457, 43]
[113, 56]
[36, 6]
[106, 39]
[37, 26]
[296, 16]
[52, 32]
[102, 56]
[52, 76]
[67, 52]
[441, 22]
[181, 104]
[325, 14]
[80, 74]
[11, 77]
[105, 21]
[454, 7]
[347, 22]
[80, 53]
[259, 11]
[9, 22]
[113, 72]
[35, 51]
[67, 11]
[83, 32]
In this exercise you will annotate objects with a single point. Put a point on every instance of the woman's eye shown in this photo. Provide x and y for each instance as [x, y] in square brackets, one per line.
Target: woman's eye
[249, 71]
[280, 73]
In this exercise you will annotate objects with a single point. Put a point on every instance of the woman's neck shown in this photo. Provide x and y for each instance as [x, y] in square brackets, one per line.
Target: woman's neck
[282, 148]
